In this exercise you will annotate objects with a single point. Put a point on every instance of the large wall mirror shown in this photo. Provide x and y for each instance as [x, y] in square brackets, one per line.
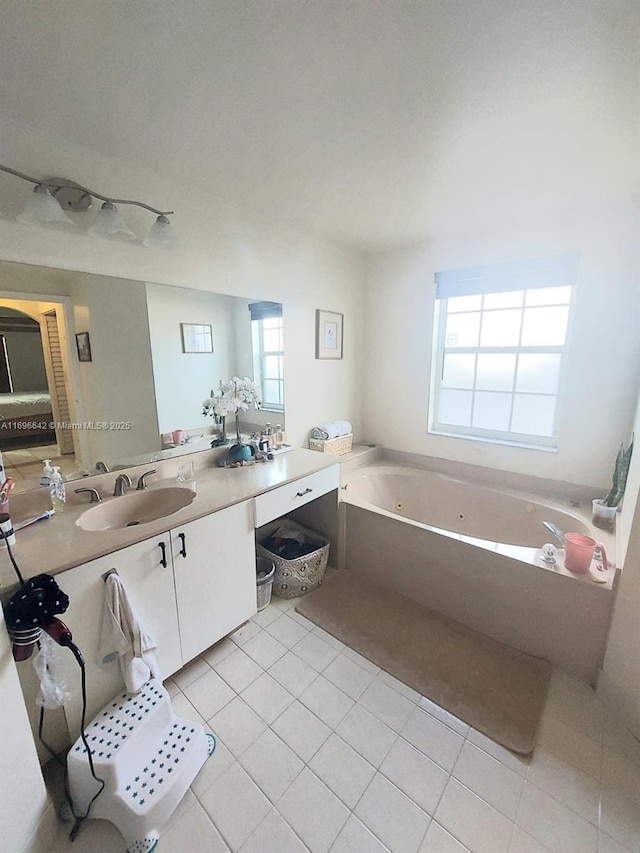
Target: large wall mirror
[118, 365]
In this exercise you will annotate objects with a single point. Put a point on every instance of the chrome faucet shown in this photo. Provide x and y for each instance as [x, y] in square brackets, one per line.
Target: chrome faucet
[95, 495]
[555, 531]
[189, 438]
[123, 481]
[102, 467]
[142, 479]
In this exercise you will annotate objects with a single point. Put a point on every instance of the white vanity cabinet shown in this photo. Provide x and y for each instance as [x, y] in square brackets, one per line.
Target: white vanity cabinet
[190, 586]
[150, 587]
[215, 579]
[291, 496]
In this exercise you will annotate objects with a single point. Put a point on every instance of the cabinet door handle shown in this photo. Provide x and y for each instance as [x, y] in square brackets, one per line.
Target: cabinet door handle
[302, 494]
[183, 547]
[163, 559]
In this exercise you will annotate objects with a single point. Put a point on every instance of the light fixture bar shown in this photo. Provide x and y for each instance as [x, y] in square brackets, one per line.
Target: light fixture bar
[56, 185]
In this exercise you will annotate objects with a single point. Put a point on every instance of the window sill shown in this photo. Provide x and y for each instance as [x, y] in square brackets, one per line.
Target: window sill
[501, 442]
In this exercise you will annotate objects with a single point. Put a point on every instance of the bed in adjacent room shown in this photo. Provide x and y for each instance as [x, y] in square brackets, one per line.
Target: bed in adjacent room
[26, 414]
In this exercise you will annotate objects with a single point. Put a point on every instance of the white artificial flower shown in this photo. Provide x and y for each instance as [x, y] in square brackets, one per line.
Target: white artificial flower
[234, 395]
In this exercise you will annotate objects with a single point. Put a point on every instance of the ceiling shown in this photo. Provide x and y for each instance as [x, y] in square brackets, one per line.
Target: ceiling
[371, 122]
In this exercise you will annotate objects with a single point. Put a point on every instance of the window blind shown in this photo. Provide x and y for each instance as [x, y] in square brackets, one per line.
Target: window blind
[265, 310]
[557, 271]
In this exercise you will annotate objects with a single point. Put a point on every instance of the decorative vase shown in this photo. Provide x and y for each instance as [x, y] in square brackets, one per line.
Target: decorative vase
[241, 452]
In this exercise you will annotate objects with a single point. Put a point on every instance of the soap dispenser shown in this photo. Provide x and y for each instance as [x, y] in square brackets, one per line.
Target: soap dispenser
[57, 490]
[47, 471]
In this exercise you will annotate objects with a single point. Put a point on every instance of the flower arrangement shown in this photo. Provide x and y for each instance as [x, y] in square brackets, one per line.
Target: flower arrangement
[233, 396]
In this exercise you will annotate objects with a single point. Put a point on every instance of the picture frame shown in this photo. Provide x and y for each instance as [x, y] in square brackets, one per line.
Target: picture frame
[83, 345]
[329, 338]
[196, 337]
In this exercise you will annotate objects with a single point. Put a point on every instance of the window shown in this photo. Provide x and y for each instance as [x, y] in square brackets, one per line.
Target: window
[500, 337]
[268, 353]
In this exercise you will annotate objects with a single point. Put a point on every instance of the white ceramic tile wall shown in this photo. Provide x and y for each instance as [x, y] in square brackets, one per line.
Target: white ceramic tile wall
[318, 750]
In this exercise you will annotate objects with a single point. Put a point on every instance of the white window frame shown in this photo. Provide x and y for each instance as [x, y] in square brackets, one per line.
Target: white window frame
[260, 355]
[546, 273]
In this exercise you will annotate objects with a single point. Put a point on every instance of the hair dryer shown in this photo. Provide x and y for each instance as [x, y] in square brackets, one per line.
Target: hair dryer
[33, 608]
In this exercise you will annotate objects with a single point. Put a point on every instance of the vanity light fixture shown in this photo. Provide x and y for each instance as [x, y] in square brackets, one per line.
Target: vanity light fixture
[51, 198]
[42, 208]
[162, 235]
[110, 223]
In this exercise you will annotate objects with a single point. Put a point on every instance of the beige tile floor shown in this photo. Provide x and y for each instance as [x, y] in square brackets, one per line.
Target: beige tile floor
[25, 464]
[318, 750]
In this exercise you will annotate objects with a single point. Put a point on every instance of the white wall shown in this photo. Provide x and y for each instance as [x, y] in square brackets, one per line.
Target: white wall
[183, 380]
[603, 361]
[116, 386]
[23, 798]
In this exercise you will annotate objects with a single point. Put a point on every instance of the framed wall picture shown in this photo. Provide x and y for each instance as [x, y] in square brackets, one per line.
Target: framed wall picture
[196, 337]
[328, 334]
[83, 345]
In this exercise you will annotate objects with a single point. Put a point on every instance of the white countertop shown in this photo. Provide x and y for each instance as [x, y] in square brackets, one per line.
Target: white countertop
[59, 543]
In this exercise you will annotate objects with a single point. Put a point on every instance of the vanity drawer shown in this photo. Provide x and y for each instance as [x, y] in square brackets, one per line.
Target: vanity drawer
[286, 498]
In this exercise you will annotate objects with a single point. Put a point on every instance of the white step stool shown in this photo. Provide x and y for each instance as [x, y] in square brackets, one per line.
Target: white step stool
[147, 757]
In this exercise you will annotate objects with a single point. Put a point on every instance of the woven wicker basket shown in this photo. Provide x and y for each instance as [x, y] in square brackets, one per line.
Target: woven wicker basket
[335, 446]
[295, 577]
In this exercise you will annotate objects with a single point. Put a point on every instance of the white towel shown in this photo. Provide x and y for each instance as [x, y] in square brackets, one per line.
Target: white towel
[344, 427]
[124, 634]
[325, 431]
[332, 429]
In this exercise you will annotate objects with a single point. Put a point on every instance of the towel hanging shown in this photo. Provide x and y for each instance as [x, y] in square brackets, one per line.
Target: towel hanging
[123, 633]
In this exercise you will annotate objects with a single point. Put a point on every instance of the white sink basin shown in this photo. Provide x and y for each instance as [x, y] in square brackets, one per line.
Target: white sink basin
[135, 508]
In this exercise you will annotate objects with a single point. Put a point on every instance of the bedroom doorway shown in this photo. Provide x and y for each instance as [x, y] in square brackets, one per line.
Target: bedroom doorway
[35, 402]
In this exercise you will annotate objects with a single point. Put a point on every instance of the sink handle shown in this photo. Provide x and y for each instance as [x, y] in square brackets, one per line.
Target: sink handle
[183, 547]
[163, 559]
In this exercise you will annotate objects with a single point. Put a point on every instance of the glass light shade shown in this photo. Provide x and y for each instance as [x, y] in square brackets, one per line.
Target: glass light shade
[162, 235]
[110, 223]
[43, 209]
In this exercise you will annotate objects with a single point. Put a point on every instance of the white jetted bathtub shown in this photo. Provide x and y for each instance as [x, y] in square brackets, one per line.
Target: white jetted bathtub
[472, 552]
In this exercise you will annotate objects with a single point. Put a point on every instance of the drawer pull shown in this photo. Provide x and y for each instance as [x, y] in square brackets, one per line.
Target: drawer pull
[302, 494]
[163, 559]
[183, 547]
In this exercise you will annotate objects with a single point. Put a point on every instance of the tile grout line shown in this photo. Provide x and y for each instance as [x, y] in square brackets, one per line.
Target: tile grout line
[378, 677]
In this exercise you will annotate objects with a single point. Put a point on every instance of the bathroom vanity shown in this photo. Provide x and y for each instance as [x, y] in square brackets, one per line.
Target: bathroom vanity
[190, 575]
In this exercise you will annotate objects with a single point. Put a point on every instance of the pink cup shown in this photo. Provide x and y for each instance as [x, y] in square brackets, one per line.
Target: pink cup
[579, 552]
[177, 436]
